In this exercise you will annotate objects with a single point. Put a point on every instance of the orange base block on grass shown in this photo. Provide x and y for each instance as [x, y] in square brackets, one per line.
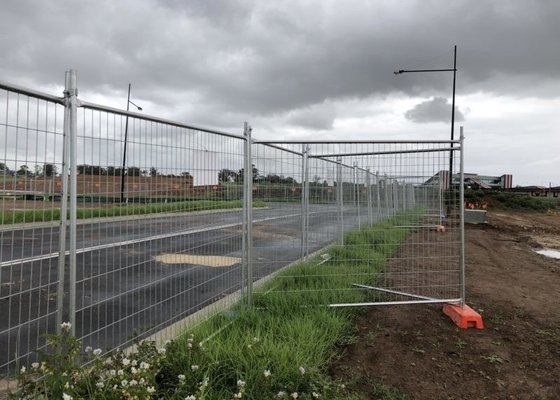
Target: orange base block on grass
[465, 317]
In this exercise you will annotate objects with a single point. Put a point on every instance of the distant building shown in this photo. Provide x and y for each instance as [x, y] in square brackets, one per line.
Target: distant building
[473, 181]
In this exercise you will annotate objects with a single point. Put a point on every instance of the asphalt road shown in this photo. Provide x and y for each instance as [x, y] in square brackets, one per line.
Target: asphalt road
[122, 290]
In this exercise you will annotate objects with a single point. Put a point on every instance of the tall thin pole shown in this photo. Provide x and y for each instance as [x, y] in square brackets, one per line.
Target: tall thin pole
[73, 128]
[124, 151]
[453, 117]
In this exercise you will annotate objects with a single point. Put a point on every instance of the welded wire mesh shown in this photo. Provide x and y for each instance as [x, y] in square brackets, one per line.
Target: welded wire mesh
[170, 241]
[176, 223]
[380, 221]
[31, 137]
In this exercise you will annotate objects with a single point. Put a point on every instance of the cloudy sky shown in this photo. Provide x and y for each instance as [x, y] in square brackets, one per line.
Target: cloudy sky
[316, 69]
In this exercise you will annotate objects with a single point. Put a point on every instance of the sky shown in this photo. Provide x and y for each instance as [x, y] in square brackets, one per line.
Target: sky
[312, 70]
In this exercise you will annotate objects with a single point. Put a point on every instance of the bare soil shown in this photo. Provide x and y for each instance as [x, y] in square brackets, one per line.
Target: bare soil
[416, 352]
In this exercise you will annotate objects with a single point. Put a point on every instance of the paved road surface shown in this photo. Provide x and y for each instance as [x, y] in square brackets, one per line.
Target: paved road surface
[122, 290]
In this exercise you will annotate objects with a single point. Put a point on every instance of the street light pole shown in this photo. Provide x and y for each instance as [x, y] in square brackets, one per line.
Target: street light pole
[454, 70]
[128, 103]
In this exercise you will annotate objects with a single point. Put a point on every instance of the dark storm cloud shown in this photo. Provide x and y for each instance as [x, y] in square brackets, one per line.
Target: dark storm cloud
[264, 59]
[437, 109]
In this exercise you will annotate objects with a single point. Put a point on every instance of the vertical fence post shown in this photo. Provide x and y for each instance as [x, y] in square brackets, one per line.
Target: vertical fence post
[305, 202]
[378, 192]
[63, 206]
[462, 220]
[73, 125]
[339, 201]
[369, 199]
[357, 194]
[247, 270]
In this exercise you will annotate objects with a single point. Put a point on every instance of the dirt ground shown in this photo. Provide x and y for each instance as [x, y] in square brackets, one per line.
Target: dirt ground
[417, 352]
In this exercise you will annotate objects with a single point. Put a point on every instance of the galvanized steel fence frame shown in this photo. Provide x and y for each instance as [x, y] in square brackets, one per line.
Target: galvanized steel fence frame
[46, 285]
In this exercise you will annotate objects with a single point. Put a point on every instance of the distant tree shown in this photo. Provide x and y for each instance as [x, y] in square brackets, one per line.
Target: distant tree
[241, 174]
[50, 170]
[227, 175]
[23, 171]
[112, 171]
[38, 170]
[153, 172]
[133, 171]
[4, 169]
[273, 178]
[186, 174]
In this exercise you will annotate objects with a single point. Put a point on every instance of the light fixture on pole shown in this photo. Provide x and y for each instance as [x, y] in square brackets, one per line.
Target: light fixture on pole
[454, 70]
[128, 103]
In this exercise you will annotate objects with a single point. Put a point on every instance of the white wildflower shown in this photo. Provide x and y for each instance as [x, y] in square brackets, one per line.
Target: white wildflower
[161, 350]
[189, 345]
[194, 367]
[67, 385]
[124, 383]
[22, 370]
[35, 365]
[133, 370]
[100, 385]
[150, 389]
[125, 362]
[66, 396]
[191, 397]
[133, 382]
[302, 370]
[112, 372]
[66, 326]
[97, 352]
[120, 372]
[142, 380]
[281, 394]
[240, 383]
[315, 395]
[144, 365]
[134, 363]
[181, 377]
[238, 395]
[294, 395]
[267, 373]
[88, 349]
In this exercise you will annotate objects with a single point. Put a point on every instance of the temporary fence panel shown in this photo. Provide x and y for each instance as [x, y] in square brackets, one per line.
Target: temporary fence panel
[31, 160]
[161, 224]
[170, 242]
[392, 236]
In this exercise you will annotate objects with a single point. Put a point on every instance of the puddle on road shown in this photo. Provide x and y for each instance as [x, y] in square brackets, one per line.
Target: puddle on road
[207, 261]
[549, 253]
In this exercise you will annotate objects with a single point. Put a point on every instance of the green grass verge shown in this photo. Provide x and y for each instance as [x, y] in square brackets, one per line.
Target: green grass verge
[53, 214]
[511, 201]
[279, 348]
[290, 331]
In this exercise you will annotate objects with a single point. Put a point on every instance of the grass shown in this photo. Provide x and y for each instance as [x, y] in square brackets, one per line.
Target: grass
[290, 332]
[279, 348]
[53, 214]
[511, 201]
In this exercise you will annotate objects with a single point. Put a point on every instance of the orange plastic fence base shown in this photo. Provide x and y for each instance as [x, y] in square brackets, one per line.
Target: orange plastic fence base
[465, 317]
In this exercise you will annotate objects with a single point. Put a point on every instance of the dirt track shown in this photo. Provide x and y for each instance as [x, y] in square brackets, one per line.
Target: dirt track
[421, 353]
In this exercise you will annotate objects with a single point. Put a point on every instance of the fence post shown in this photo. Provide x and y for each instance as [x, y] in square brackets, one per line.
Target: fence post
[247, 270]
[63, 206]
[339, 201]
[305, 202]
[369, 199]
[357, 194]
[461, 203]
[73, 130]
